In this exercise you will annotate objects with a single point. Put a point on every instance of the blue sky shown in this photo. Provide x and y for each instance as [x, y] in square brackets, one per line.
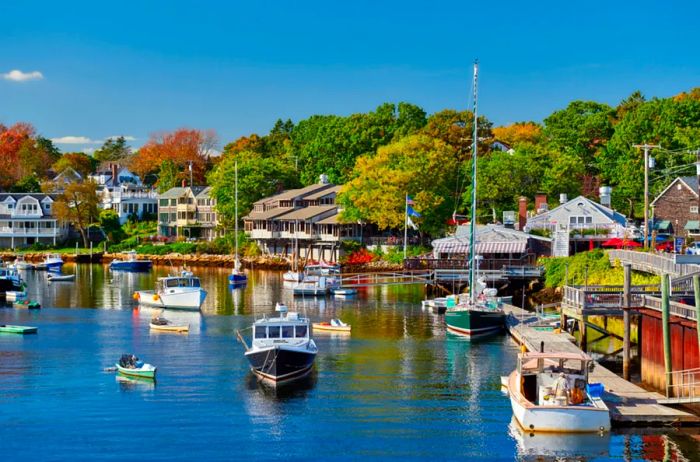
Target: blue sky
[134, 68]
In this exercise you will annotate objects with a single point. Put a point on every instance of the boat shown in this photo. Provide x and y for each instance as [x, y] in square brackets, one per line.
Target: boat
[164, 325]
[131, 366]
[282, 348]
[15, 295]
[480, 313]
[26, 304]
[438, 304]
[131, 263]
[237, 277]
[335, 325]
[293, 276]
[10, 280]
[9, 329]
[179, 292]
[550, 393]
[344, 291]
[52, 277]
[319, 287]
[21, 264]
[52, 262]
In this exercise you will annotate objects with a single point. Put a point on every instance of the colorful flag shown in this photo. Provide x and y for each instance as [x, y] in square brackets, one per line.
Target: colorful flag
[409, 201]
[410, 223]
[411, 212]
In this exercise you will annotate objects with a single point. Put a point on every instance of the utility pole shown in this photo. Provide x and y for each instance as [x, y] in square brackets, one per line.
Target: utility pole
[647, 148]
[190, 174]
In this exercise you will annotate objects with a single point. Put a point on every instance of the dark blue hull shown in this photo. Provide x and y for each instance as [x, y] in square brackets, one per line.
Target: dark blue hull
[237, 279]
[143, 265]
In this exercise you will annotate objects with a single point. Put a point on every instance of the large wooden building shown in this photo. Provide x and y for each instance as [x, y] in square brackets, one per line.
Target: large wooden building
[676, 208]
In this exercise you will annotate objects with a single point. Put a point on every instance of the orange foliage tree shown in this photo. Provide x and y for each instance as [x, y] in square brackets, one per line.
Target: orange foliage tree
[23, 154]
[519, 132]
[180, 147]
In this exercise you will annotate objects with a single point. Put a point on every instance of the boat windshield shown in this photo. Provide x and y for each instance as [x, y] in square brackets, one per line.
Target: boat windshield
[282, 331]
[182, 282]
[553, 365]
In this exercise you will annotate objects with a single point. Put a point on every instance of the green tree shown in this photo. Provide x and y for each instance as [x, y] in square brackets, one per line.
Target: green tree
[78, 161]
[28, 184]
[258, 177]
[167, 176]
[113, 150]
[109, 221]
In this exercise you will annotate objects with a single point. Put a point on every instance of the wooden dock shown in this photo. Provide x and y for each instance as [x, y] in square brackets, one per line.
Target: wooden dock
[630, 405]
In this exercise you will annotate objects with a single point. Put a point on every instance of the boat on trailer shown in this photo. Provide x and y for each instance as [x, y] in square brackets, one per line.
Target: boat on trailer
[282, 348]
[550, 393]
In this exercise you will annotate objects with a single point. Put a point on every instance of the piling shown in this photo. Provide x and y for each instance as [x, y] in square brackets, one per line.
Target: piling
[665, 315]
[696, 288]
[627, 300]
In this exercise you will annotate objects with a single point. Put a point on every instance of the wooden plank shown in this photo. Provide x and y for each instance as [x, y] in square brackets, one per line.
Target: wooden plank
[629, 404]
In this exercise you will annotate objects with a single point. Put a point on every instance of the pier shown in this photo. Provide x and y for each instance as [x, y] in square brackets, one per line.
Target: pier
[629, 404]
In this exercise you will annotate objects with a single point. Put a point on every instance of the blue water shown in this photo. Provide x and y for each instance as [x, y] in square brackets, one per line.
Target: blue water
[398, 388]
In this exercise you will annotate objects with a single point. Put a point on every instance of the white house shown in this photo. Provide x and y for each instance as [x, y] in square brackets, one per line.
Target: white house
[26, 219]
[122, 191]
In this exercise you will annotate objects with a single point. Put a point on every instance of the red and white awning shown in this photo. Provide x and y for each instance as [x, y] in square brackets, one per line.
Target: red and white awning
[482, 248]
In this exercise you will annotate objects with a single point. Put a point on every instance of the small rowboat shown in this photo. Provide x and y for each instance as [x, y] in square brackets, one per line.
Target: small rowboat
[165, 325]
[130, 366]
[6, 328]
[32, 305]
[336, 325]
[61, 277]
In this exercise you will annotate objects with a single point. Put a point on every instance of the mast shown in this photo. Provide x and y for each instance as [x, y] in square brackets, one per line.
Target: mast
[236, 263]
[472, 223]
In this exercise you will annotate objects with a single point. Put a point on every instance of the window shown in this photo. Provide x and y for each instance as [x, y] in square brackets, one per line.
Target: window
[589, 220]
[163, 218]
[694, 209]
[300, 331]
[287, 331]
[260, 332]
[173, 202]
[164, 202]
[273, 332]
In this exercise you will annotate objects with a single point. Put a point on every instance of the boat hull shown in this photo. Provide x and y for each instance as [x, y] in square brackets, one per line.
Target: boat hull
[187, 300]
[292, 276]
[133, 266]
[236, 279]
[9, 329]
[556, 419]
[139, 373]
[323, 326]
[170, 327]
[474, 322]
[279, 364]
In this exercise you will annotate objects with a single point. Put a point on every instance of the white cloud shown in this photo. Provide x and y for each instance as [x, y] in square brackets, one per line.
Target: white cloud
[88, 151]
[16, 75]
[75, 140]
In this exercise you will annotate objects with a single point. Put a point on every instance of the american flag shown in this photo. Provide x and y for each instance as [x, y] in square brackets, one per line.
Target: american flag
[409, 201]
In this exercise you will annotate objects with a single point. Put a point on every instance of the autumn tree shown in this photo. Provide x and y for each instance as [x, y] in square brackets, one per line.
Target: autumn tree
[78, 205]
[518, 133]
[78, 161]
[179, 147]
[23, 154]
[423, 167]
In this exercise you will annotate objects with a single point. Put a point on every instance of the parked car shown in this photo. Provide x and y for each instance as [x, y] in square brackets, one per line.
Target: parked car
[694, 248]
[665, 246]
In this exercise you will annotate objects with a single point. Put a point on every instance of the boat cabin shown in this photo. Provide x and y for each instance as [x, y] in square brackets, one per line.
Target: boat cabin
[543, 375]
[288, 328]
[173, 282]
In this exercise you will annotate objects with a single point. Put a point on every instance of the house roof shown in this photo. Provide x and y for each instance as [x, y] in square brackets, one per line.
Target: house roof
[489, 239]
[267, 214]
[690, 182]
[571, 208]
[332, 220]
[301, 192]
[306, 213]
[179, 191]
[335, 189]
[38, 196]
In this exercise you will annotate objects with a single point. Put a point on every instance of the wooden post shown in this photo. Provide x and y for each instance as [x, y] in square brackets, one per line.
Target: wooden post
[583, 329]
[665, 312]
[627, 301]
[696, 287]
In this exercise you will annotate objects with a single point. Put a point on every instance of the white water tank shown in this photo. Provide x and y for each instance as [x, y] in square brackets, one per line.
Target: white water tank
[605, 192]
[563, 198]
[323, 178]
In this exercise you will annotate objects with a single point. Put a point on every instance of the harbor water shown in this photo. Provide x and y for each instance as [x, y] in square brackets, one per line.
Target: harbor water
[398, 388]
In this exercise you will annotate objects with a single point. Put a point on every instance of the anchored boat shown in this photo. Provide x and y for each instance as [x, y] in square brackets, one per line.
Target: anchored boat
[130, 366]
[550, 392]
[52, 262]
[282, 348]
[237, 277]
[60, 277]
[131, 263]
[165, 325]
[181, 292]
[21, 264]
[10, 329]
[335, 325]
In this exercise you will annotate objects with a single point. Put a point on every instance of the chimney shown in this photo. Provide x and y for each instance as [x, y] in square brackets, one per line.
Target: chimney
[522, 212]
[541, 203]
[605, 192]
[563, 198]
[184, 183]
[114, 168]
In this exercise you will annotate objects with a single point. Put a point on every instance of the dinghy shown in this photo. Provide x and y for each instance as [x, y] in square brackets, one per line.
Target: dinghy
[28, 304]
[131, 366]
[335, 325]
[165, 325]
[60, 277]
[9, 329]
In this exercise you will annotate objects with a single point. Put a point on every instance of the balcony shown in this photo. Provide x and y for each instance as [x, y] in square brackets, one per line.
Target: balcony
[122, 195]
[5, 231]
[186, 222]
[186, 208]
[264, 234]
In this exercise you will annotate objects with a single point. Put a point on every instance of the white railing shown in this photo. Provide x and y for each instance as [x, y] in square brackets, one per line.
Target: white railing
[653, 263]
[133, 195]
[683, 385]
[29, 231]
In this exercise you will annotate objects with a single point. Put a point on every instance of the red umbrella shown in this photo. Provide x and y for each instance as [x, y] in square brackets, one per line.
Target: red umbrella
[613, 242]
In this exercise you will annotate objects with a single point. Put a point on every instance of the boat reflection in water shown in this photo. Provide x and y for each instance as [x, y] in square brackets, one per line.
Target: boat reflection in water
[297, 389]
[135, 383]
[555, 446]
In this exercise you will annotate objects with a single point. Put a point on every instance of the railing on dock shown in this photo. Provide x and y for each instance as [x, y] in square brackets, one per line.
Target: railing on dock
[683, 387]
[386, 278]
[653, 263]
[675, 308]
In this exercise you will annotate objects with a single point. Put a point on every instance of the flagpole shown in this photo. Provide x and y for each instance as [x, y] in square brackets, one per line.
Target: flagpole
[405, 225]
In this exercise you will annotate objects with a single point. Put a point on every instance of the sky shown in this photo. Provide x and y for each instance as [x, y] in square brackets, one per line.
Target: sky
[81, 72]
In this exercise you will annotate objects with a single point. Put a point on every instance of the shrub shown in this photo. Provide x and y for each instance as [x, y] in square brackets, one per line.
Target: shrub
[360, 257]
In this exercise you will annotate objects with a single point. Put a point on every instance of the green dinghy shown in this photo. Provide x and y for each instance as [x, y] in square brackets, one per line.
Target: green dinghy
[9, 329]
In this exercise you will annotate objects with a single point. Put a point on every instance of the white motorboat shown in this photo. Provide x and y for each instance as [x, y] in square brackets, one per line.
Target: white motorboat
[293, 276]
[344, 291]
[550, 393]
[10, 279]
[60, 277]
[180, 292]
[282, 349]
[21, 264]
[321, 286]
[15, 295]
[52, 262]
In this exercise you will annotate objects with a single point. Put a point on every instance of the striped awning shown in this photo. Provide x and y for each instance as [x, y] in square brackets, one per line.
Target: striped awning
[462, 246]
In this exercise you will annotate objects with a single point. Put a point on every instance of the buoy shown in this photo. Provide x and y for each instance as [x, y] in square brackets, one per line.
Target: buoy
[136, 296]
[155, 297]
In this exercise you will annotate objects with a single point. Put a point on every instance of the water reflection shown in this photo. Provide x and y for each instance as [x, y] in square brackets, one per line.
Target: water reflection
[550, 446]
[131, 384]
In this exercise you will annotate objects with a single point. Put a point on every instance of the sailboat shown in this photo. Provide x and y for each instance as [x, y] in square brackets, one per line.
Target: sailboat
[479, 314]
[237, 277]
[294, 275]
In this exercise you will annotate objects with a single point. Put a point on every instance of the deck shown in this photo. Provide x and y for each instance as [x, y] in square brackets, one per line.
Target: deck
[630, 405]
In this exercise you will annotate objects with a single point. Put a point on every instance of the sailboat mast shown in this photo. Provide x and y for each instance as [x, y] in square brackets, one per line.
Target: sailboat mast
[236, 209]
[472, 222]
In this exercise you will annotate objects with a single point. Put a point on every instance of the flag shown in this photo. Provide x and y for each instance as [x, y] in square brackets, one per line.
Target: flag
[411, 212]
[410, 223]
[409, 201]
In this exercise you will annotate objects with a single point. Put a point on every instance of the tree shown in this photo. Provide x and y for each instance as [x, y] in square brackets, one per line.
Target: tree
[518, 133]
[424, 167]
[180, 147]
[258, 177]
[23, 154]
[113, 150]
[28, 184]
[78, 161]
[456, 128]
[109, 222]
[167, 176]
[78, 204]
